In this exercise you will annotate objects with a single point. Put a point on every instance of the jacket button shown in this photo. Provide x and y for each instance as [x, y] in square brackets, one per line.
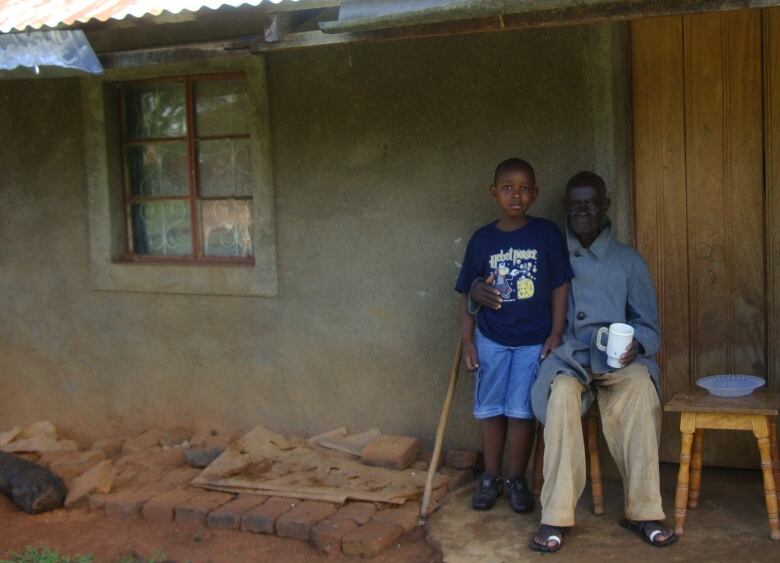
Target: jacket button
[577, 254]
[580, 316]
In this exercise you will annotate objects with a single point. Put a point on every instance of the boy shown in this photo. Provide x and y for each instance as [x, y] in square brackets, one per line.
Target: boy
[524, 258]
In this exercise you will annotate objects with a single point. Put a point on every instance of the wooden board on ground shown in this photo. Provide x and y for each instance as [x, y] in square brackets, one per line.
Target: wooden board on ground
[263, 462]
[351, 444]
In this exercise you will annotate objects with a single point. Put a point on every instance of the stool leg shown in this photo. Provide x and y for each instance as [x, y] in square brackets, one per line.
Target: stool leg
[596, 486]
[693, 493]
[687, 426]
[775, 455]
[539, 461]
[761, 432]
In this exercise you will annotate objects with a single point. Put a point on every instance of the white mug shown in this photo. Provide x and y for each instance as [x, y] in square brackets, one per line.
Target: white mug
[619, 337]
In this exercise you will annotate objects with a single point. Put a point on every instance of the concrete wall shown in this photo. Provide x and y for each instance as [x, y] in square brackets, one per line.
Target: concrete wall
[382, 155]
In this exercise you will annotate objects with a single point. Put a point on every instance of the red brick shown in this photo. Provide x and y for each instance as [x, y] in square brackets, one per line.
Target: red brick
[97, 501]
[161, 508]
[129, 504]
[327, 534]
[359, 512]
[396, 452]
[401, 517]
[180, 476]
[146, 440]
[195, 509]
[298, 522]
[458, 477]
[461, 459]
[228, 516]
[371, 539]
[262, 520]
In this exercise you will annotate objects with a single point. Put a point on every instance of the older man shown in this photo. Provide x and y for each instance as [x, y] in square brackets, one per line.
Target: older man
[611, 285]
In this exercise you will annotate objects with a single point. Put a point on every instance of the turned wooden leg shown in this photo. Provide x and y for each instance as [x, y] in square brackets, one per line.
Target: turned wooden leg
[761, 432]
[687, 426]
[773, 451]
[596, 487]
[698, 444]
[539, 461]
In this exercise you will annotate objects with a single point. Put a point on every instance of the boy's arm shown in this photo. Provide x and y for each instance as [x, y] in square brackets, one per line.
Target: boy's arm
[469, 353]
[560, 301]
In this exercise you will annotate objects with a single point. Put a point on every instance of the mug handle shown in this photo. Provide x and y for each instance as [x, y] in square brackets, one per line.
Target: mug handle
[602, 331]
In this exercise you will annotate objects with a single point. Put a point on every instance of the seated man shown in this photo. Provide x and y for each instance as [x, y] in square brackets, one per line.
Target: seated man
[611, 284]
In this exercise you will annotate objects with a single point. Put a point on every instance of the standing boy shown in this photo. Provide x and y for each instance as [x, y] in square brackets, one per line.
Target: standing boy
[524, 258]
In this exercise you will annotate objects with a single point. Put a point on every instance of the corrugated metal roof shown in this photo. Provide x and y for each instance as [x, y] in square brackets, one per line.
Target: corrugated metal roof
[23, 14]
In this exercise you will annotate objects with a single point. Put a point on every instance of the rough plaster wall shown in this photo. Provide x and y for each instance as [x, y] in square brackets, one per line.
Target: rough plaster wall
[382, 157]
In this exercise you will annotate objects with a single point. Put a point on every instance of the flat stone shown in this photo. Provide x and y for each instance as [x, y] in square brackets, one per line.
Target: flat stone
[403, 518]
[99, 479]
[228, 516]
[8, 436]
[41, 428]
[174, 437]
[298, 522]
[395, 452]
[458, 477]
[111, 446]
[139, 443]
[161, 508]
[97, 501]
[41, 443]
[71, 466]
[48, 457]
[370, 540]
[195, 510]
[262, 520]
[327, 535]
[201, 457]
[461, 459]
[359, 512]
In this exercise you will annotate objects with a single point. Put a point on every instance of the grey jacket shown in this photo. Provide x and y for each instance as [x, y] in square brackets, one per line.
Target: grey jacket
[611, 285]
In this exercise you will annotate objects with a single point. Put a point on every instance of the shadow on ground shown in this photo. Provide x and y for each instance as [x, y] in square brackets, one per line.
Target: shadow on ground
[730, 524]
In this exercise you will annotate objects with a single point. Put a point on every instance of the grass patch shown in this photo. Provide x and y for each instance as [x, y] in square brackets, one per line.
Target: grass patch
[46, 555]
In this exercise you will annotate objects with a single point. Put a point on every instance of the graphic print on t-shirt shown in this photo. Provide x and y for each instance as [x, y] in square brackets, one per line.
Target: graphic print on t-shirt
[514, 273]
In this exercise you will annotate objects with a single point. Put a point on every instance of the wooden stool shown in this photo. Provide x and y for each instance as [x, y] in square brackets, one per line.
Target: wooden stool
[591, 430]
[700, 410]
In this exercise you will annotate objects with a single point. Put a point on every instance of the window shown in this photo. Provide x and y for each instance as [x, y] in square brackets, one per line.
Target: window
[187, 169]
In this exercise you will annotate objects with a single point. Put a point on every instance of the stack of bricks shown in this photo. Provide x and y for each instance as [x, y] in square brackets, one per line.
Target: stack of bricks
[153, 484]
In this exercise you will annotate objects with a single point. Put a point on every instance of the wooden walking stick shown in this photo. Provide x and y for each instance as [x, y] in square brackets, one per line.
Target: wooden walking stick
[445, 413]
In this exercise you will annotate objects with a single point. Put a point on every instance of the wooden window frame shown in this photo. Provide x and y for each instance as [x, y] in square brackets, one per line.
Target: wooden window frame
[193, 196]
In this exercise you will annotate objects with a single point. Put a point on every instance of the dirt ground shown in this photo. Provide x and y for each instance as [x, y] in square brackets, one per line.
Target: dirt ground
[110, 540]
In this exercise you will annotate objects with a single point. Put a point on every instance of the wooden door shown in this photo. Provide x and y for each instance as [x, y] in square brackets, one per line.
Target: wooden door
[699, 86]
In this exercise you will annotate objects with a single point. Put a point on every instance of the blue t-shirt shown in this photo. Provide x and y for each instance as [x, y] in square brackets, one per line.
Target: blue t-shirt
[527, 264]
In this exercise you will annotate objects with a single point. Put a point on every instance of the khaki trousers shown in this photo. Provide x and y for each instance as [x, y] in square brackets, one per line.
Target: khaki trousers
[631, 421]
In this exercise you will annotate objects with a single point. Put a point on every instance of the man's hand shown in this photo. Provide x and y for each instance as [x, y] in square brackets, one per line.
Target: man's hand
[468, 356]
[552, 342]
[485, 294]
[630, 354]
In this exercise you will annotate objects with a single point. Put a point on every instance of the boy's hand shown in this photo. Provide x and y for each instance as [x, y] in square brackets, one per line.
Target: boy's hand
[630, 354]
[469, 356]
[552, 342]
[485, 294]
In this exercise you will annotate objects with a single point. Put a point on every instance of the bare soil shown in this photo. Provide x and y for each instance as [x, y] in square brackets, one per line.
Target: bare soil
[82, 531]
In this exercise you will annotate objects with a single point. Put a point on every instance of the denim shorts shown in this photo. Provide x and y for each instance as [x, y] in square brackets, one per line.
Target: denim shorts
[504, 378]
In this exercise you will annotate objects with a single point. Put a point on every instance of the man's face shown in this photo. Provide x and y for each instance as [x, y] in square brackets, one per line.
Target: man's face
[585, 210]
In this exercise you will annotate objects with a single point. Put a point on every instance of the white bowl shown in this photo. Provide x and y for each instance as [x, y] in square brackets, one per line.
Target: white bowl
[731, 385]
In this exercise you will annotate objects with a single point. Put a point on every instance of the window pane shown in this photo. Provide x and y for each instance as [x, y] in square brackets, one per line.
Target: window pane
[155, 111]
[224, 168]
[227, 227]
[222, 107]
[158, 169]
[161, 228]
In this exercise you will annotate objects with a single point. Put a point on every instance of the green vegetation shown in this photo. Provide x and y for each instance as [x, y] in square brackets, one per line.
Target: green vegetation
[46, 555]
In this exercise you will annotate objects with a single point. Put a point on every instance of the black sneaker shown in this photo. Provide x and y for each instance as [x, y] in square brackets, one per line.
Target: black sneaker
[520, 496]
[488, 490]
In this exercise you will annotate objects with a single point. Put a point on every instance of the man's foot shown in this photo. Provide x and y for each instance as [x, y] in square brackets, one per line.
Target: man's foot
[652, 531]
[488, 490]
[520, 496]
[548, 539]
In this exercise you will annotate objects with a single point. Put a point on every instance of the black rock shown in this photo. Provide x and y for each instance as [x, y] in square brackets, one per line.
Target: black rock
[33, 488]
[201, 457]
